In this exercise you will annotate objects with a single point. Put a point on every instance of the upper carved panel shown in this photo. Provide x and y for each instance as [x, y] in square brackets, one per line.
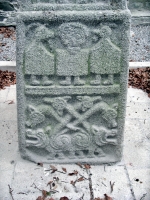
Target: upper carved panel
[70, 53]
[72, 4]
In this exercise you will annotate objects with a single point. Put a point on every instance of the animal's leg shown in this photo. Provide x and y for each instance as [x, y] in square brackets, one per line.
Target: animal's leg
[100, 152]
[91, 153]
[71, 154]
[80, 153]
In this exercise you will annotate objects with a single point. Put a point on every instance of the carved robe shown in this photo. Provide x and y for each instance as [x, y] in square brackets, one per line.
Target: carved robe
[38, 60]
[71, 64]
[105, 58]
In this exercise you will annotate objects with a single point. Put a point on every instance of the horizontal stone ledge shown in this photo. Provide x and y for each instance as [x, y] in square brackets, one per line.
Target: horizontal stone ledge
[135, 65]
[86, 16]
[71, 90]
[8, 65]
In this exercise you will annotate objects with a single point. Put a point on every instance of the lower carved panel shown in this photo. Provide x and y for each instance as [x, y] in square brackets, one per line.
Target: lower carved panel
[74, 134]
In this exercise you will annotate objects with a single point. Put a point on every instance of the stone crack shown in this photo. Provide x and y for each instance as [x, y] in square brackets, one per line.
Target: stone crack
[90, 186]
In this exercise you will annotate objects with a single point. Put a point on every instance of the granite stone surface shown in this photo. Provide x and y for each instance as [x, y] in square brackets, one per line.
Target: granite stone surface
[72, 70]
[72, 5]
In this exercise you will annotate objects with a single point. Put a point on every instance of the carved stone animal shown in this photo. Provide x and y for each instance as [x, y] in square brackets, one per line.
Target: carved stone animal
[100, 137]
[36, 138]
[72, 144]
[79, 141]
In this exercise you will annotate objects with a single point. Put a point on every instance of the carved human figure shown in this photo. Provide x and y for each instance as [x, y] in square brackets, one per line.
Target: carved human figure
[38, 60]
[73, 60]
[104, 57]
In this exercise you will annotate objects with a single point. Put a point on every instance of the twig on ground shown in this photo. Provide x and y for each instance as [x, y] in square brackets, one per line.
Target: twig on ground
[81, 197]
[51, 190]
[104, 168]
[10, 192]
[79, 164]
[90, 187]
[61, 172]
[22, 193]
[73, 182]
[64, 181]
[36, 187]
[104, 184]
[54, 171]
[83, 176]
[144, 195]
[112, 186]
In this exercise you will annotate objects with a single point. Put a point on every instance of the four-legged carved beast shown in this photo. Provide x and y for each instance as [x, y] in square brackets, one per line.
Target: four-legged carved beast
[74, 144]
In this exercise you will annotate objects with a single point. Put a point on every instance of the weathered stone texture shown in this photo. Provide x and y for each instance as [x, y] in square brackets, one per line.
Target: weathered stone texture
[71, 77]
[72, 4]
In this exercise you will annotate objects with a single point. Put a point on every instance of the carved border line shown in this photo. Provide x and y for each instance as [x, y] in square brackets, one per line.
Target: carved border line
[32, 90]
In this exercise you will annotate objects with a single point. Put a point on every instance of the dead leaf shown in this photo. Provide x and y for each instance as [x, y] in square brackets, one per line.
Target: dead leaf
[54, 169]
[7, 31]
[75, 172]
[64, 198]
[87, 166]
[13, 38]
[81, 179]
[107, 197]
[44, 193]
[7, 78]
[11, 102]
[73, 183]
[139, 78]
[79, 164]
[40, 164]
[43, 198]
[2, 44]
[49, 182]
[40, 198]
[64, 169]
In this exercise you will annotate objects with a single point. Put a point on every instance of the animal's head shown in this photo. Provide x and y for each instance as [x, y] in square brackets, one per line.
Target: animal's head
[86, 102]
[34, 117]
[110, 116]
[36, 138]
[103, 136]
[58, 103]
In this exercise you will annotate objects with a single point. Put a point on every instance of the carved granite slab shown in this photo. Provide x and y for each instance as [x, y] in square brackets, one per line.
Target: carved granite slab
[79, 5]
[71, 85]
